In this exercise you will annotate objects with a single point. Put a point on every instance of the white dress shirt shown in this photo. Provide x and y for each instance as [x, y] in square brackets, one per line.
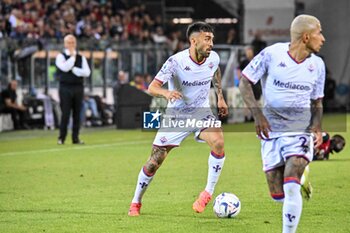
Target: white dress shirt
[67, 65]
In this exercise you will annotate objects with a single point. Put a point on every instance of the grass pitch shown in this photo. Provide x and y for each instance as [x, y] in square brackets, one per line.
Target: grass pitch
[49, 188]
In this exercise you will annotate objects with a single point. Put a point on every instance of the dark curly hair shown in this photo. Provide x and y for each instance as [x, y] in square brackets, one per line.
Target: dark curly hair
[198, 27]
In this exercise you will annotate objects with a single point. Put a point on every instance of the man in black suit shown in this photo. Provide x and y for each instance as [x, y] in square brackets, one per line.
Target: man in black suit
[71, 70]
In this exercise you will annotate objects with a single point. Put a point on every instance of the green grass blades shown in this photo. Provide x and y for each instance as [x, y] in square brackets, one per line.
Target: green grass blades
[45, 187]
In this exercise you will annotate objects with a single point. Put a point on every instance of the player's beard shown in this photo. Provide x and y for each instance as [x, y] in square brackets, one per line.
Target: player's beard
[204, 50]
[208, 52]
[205, 53]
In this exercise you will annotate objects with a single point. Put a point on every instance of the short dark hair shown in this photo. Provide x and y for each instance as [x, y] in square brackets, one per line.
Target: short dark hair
[198, 27]
[336, 141]
[338, 138]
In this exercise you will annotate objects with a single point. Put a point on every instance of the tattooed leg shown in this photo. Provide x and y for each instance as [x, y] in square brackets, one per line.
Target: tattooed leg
[156, 159]
[295, 167]
[145, 177]
[275, 182]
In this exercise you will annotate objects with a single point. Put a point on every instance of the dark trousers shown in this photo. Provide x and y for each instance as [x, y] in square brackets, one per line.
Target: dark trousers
[71, 98]
[19, 117]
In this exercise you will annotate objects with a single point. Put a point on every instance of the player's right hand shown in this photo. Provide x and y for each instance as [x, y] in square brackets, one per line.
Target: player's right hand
[262, 126]
[173, 95]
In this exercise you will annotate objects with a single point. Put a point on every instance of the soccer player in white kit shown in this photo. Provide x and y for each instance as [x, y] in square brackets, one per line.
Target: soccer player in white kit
[189, 74]
[292, 81]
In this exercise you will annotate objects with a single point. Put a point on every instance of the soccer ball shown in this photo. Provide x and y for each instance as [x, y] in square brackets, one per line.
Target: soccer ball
[227, 205]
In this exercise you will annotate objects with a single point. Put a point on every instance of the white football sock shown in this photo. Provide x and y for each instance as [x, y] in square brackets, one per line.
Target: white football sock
[292, 207]
[142, 183]
[214, 170]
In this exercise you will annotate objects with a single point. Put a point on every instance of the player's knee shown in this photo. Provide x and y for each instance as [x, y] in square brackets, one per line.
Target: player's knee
[219, 145]
[277, 197]
[156, 159]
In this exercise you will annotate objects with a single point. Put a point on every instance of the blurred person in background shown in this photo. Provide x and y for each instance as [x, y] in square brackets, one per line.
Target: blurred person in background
[89, 110]
[148, 79]
[249, 55]
[9, 105]
[139, 82]
[329, 145]
[122, 79]
[72, 68]
[232, 38]
[159, 37]
[258, 43]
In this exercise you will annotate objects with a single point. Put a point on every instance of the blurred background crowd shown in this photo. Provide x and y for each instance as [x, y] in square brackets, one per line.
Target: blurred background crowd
[126, 42]
[120, 21]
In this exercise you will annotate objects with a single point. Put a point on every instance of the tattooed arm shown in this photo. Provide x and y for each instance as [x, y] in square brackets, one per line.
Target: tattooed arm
[217, 83]
[316, 120]
[222, 106]
[262, 126]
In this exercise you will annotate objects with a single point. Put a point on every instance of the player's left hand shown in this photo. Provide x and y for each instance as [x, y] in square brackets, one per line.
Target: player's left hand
[222, 108]
[317, 135]
[317, 138]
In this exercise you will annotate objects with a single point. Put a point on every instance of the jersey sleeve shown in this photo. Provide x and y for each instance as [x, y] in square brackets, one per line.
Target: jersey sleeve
[167, 71]
[319, 85]
[257, 67]
[215, 62]
[216, 59]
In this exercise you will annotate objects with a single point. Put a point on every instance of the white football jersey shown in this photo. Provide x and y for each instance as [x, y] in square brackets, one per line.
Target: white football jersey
[190, 78]
[288, 86]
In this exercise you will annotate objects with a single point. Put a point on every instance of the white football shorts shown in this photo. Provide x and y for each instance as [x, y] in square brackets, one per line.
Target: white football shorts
[174, 139]
[174, 136]
[276, 151]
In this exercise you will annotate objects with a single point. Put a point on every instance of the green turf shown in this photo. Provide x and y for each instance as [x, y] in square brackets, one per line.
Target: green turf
[49, 188]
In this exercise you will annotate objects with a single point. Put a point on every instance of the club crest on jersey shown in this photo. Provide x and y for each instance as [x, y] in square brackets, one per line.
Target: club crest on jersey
[163, 139]
[311, 68]
[211, 65]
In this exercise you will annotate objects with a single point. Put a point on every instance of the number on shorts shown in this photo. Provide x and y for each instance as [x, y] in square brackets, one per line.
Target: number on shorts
[303, 144]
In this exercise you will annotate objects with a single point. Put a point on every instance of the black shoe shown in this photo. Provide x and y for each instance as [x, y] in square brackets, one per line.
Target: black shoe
[60, 142]
[78, 142]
